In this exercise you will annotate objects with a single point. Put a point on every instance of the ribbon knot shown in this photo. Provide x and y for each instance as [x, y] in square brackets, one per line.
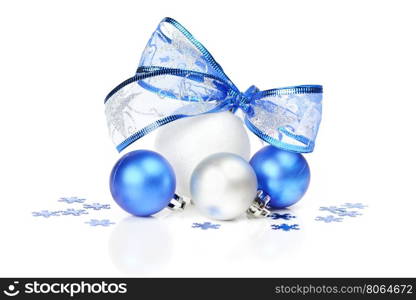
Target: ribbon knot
[178, 78]
[243, 100]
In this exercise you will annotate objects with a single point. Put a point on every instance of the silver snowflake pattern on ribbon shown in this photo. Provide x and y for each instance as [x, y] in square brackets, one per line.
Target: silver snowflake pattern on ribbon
[178, 78]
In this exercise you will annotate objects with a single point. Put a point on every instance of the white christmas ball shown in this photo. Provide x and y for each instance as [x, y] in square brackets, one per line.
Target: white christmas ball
[186, 142]
[223, 186]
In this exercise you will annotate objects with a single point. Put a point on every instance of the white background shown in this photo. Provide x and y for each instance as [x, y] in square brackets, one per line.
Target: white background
[58, 60]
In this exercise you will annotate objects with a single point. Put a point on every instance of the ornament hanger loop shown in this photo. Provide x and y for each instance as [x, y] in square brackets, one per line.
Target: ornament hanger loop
[259, 208]
[177, 203]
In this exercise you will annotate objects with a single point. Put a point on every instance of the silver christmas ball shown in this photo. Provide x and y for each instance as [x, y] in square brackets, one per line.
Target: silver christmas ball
[223, 186]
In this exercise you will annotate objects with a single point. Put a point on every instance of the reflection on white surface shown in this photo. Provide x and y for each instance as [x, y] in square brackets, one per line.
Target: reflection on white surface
[254, 238]
[268, 243]
[140, 245]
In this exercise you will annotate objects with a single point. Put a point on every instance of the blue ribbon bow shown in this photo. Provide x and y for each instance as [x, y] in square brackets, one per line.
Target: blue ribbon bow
[177, 78]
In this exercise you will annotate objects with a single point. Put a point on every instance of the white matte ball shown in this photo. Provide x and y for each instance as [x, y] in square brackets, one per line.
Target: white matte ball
[223, 186]
[186, 142]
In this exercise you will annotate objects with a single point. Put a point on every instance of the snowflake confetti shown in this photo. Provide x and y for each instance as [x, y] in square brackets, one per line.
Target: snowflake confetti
[285, 227]
[95, 222]
[206, 225]
[328, 219]
[349, 214]
[71, 200]
[354, 205]
[333, 209]
[97, 206]
[46, 213]
[276, 216]
[74, 212]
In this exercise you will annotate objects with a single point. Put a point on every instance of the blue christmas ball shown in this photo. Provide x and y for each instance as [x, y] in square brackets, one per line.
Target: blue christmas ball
[283, 175]
[142, 182]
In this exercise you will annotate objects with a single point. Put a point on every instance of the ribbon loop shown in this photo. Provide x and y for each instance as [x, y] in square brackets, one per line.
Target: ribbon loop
[177, 78]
